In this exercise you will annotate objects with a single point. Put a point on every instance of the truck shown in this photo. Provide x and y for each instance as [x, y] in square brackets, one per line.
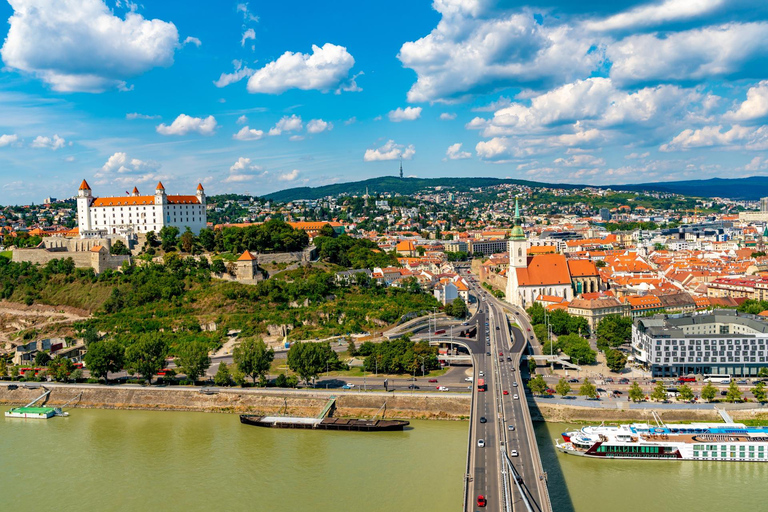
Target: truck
[481, 385]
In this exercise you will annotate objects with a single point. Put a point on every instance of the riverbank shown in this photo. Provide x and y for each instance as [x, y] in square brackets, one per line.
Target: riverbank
[307, 403]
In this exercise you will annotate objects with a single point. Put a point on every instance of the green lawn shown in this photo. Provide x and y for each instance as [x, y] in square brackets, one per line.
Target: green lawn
[7, 254]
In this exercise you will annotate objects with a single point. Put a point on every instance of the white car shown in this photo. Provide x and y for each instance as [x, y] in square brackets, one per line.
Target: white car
[482, 374]
[514, 384]
[480, 443]
[467, 379]
[516, 397]
[511, 428]
[513, 453]
[442, 388]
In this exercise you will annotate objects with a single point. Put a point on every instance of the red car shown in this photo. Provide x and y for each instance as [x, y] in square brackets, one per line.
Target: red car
[501, 353]
[432, 380]
[506, 392]
[481, 501]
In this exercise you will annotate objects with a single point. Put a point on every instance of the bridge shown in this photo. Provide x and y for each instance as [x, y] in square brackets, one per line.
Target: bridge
[506, 470]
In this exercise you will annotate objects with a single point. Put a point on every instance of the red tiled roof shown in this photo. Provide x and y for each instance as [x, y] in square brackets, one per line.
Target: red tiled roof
[544, 269]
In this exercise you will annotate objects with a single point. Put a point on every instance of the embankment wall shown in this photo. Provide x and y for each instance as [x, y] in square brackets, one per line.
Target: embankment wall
[566, 414]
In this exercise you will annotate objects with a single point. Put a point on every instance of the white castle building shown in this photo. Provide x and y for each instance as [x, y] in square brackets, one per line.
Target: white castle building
[100, 216]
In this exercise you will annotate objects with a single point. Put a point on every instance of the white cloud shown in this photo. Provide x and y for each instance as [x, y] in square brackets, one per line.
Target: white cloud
[192, 40]
[80, 45]
[468, 52]
[655, 14]
[230, 78]
[122, 170]
[185, 124]
[291, 123]
[244, 170]
[447, 116]
[636, 156]
[733, 50]
[318, 126]
[580, 161]
[7, 140]
[295, 138]
[454, 152]
[757, 164]
[288, 176]
[737, 137]
[246, 133]
[494, 105]
[351, 120]
[247, 16]
[404, 114]
[136, 115]
[327, 68]
[242, 119]
[754, 107]
[390, 151]
[248, 34]
[52, 143]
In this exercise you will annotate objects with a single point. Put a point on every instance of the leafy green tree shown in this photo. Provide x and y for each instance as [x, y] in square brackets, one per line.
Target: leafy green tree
[146, 356]
[76, 375]
[759, 392]
[218, 267]
[169, 237]
[42, 358]
[636, 393]
[90, 335]
[613, 331]
[281, 381]
[563, 388]
[3, 367]
[207, 239]
[119, 249]
[351, 349]
[537, 385]
[253, 358]
[659, 392]
[104, 357]
[187, 241]
[577, 348]
[708, 392]
[685, 393]
[238, 377]
[616, 360]
[588, 389]
[194, 359]
[532, 365]
[458, 308]
[763, 372]
[151, 240]
[309, 359]
[222, 377]
[15, 370]
[734, 393]
[60, 368]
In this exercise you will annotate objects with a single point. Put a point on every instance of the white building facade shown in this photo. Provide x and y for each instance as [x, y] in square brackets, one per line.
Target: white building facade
[100, 216]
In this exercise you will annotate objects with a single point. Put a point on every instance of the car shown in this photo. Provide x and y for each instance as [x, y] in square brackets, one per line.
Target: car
[653, 381]
[512, 369]
[482, 373]
[531, 336]
[467, 379]
[573, 380]
[432, 381]
[481, 501]
[511, 428]
[442, 388]
[617, 392]
[623, 381]
[513, 453]
[413, 386]
[550, 391]
[464, 323]
[742, 381]
[509, 358]
[723, 393]
[13, 386]
[608, 379]
[529, 329]
[487, 353]
[488, 343]
[505, 392]
[514, 384]
[515, 397]
[347, 386]
[481, 443]
[501, 353]
[498, 328]
[483, 419]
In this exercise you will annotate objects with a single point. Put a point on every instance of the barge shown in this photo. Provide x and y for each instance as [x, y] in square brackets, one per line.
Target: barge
[356, 425]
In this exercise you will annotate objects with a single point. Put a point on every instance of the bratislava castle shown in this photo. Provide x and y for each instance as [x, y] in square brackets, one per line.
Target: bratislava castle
[135, 213]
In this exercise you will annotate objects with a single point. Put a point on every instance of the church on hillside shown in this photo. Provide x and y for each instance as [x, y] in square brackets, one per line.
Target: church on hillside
[548, 275]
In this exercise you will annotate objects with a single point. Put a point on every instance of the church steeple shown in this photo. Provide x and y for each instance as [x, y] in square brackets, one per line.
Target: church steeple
[518, 244]
[517, 231]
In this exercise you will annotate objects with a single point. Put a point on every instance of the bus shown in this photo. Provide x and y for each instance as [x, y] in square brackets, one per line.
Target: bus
[481, 385]
[718, 378]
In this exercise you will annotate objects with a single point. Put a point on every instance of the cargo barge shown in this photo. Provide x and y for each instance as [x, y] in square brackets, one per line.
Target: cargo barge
[356, 425]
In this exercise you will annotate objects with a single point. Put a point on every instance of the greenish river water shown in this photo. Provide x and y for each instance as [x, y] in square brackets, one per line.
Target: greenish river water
[145, 460]
[587, 485]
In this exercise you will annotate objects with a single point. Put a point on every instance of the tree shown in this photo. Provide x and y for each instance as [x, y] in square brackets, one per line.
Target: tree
[253, 358]
[759, 392]
[537, 385]
[104, 357]
[194, 360]
[3, 367]
[562, 387]
[531, 365]
[42, 358]
[708, 392]
[169, 237]
[222, 377]
[763, 372]
[613, 331]
[119, 249]
[146, 356]
[615, 359]
[310, 359]
[90, 335]
[685, 393]
[207, 239]
[636, 393]
[734, 393]
[60, 368]
[458, 308]
[187, 241]
[588, 389]
[659, 392]
[281, 381]
[351, 349]
[577, 348]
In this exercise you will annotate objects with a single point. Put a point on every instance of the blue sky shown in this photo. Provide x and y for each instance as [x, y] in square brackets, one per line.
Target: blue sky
[259, 96]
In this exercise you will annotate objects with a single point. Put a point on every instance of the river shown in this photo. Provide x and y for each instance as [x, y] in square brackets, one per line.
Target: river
[579, 484]
[151, 460]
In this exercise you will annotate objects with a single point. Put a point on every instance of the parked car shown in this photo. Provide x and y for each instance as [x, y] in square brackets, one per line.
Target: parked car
[608, 379]
[467, 379]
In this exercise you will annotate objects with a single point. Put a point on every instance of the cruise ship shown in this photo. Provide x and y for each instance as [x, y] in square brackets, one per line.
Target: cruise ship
[727, 441]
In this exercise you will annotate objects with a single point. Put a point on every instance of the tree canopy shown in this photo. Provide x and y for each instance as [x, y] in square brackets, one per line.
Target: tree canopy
[253, 358]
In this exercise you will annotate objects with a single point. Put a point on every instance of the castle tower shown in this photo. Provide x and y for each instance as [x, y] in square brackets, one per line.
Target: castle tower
[84, 200]
[135, 192]
[200, 193]
[160, 197]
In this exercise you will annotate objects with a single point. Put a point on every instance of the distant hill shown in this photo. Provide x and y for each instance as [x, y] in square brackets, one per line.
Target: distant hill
[751, 188]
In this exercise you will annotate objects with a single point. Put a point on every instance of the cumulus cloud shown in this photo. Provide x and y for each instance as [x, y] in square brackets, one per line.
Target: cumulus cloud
[247, 133]
[80, 45]
[122, 170]
[185, 124]
[754, 107]
[192, 40]
[650, 15]
[454, 152]
[737, 137]
[318, 126]
[8, 139]
[136, 115]
[447, 116]
[242, 119]
[247, 15]
[580, 161]
[290, 123]
[288, 176]
[390, 151]
[52, 143]
[248, 34]
[239, 73]
[326, 69]
[757, 164]
[636, 156]
[244, 170]
[404, 114]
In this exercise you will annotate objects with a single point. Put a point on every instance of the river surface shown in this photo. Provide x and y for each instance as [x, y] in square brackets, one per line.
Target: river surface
[150, 460]
[587, 485]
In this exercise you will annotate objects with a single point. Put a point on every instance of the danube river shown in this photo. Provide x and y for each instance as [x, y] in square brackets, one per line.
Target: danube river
[145, 460]
[587, 485]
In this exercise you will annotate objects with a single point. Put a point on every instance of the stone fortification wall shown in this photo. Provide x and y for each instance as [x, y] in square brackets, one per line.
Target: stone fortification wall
[252, 401]
[304, 256]
[43, 256]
